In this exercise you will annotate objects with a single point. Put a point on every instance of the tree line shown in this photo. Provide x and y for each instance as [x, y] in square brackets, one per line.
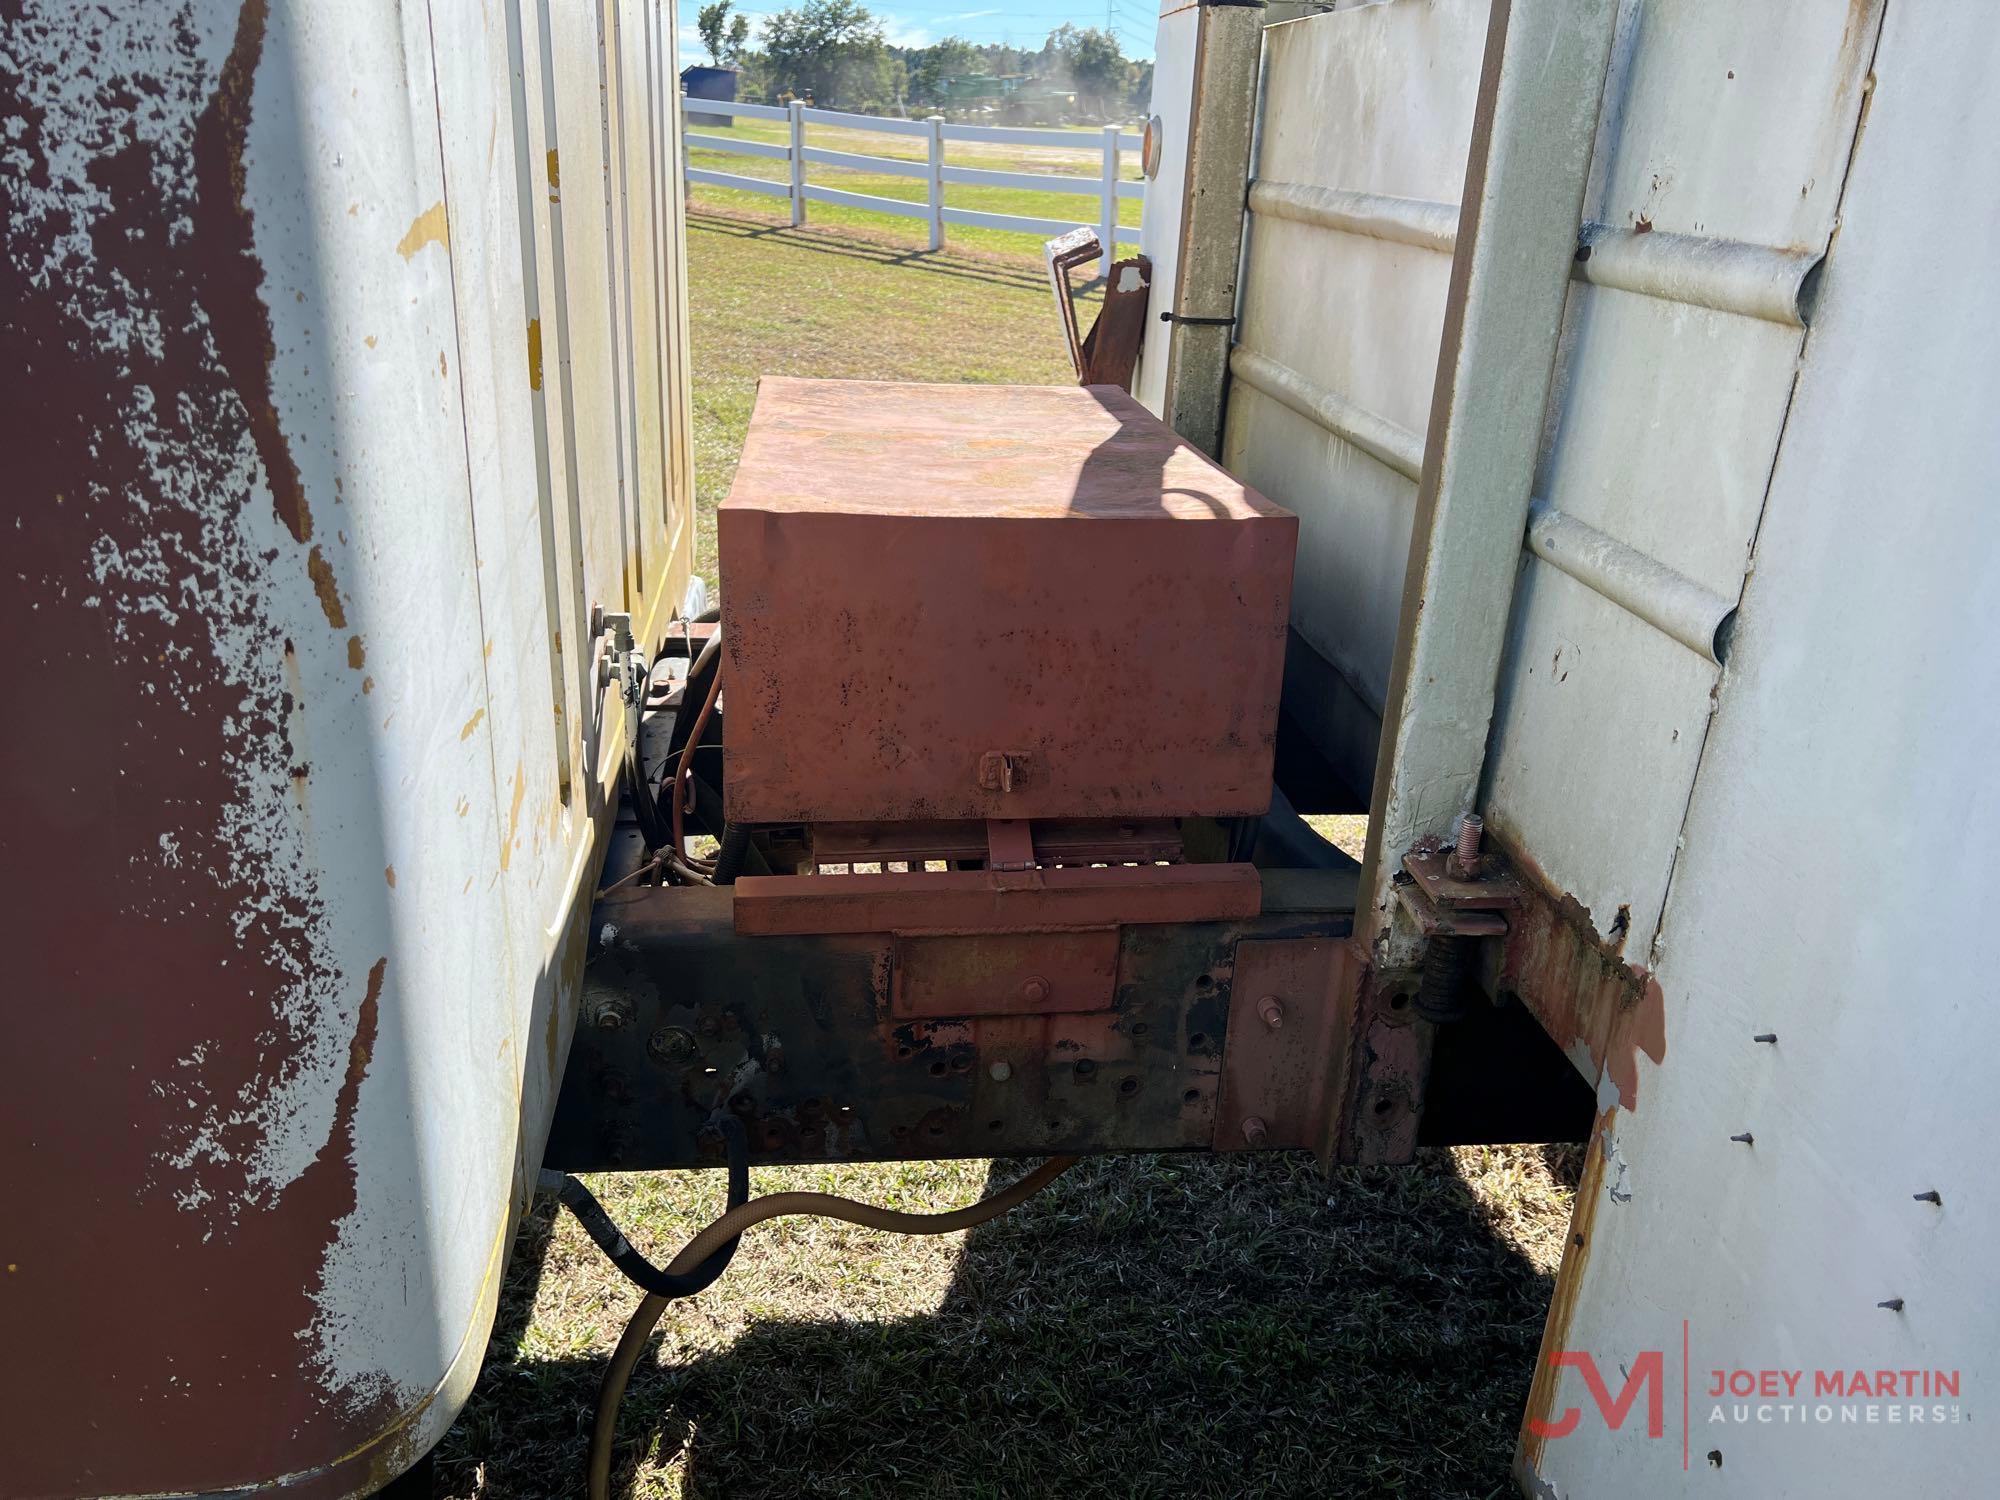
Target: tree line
[834, 53]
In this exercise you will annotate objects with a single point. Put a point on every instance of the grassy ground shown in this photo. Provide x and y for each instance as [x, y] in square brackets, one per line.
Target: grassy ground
[1149, 1326]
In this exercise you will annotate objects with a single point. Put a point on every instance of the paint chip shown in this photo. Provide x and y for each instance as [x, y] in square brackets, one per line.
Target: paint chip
[471, 724]
[427, 228]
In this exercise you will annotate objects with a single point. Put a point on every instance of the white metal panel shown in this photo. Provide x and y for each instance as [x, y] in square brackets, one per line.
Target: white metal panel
[1376, 100]
[1160, 220]
[1834, 870]
[594, 363]
[1665, 429]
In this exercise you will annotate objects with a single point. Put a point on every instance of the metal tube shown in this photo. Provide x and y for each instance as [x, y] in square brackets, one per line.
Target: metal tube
[1386, 442]
[1421, 222]
[1671, 602]
[1733, 276]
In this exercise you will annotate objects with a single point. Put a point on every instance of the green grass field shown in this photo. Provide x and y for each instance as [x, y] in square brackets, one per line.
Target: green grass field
[1184, 1326]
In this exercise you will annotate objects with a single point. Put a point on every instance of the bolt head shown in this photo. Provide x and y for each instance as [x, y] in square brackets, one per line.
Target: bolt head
[1000, 1072]
[1035, 991]
[1254, 1131]
[614, 1014]
[1272, 1010]
[671, 1044]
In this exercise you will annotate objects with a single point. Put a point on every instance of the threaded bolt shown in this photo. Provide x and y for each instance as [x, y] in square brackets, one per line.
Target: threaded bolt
[1470, 828]
[1254, 1132]
[1272, 1010]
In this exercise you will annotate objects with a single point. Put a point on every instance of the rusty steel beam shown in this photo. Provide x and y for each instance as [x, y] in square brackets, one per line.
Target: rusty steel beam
[830, 1050]
[994, 900]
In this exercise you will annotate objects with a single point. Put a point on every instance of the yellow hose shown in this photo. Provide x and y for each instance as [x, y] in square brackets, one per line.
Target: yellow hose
[618, 1373]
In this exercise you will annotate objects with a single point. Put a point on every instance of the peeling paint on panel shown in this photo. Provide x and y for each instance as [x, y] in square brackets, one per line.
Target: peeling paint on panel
[1603, 1011]
[428, 228]
[171, 527]
[514, 816]
[321, 573]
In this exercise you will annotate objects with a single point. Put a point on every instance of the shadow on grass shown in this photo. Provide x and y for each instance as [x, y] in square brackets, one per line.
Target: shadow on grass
[1148, 1326]
[854, 244]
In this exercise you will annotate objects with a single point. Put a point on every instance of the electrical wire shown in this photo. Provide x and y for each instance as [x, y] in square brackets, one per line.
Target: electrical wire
[618, 1374]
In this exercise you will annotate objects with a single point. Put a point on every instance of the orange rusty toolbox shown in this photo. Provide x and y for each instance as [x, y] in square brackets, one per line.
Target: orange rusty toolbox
[954, 601]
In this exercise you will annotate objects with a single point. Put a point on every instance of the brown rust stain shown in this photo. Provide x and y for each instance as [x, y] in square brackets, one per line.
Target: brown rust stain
[389, 874]
[534, 354]
[1562, 1304]
[357, 655]
[111, 225]
[224, 227]
[514, 815]
[327, 590]
[428, 228]
[471, 724]
[1579, 985]
[555, 171]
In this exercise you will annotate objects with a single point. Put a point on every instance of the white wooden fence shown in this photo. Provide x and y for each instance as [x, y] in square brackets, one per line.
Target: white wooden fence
[1104, 185]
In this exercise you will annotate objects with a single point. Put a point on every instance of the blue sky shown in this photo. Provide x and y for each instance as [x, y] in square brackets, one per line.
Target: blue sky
[917, 23]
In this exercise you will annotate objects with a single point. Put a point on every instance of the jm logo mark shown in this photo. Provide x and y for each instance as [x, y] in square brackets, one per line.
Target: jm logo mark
[1648, 1373]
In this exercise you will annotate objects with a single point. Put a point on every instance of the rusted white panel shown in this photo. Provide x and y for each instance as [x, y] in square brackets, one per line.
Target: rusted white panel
[301, 590]
[1831, 892]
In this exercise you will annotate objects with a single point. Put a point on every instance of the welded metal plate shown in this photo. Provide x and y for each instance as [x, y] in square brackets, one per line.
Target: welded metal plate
[921, 580]
[1004, 974]
[1290, 1011]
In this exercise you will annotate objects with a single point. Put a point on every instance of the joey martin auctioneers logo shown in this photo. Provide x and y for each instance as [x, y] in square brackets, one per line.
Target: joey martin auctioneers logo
[1711, 1399]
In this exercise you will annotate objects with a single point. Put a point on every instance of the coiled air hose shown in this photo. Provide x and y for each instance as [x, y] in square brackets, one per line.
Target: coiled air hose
[719, 1240]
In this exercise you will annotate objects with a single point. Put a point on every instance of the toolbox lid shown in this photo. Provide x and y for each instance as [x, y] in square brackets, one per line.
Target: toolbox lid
[856, 447]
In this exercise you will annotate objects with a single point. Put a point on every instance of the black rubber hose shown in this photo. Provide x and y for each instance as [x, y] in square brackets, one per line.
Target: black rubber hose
[729, 858]
[640, 1271]
[645, 809]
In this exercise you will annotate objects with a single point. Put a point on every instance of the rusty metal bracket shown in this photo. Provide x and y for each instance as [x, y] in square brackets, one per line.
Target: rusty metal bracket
[1064, 252]
[1290, 1016]
[1490, 887]
[1009, 844]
